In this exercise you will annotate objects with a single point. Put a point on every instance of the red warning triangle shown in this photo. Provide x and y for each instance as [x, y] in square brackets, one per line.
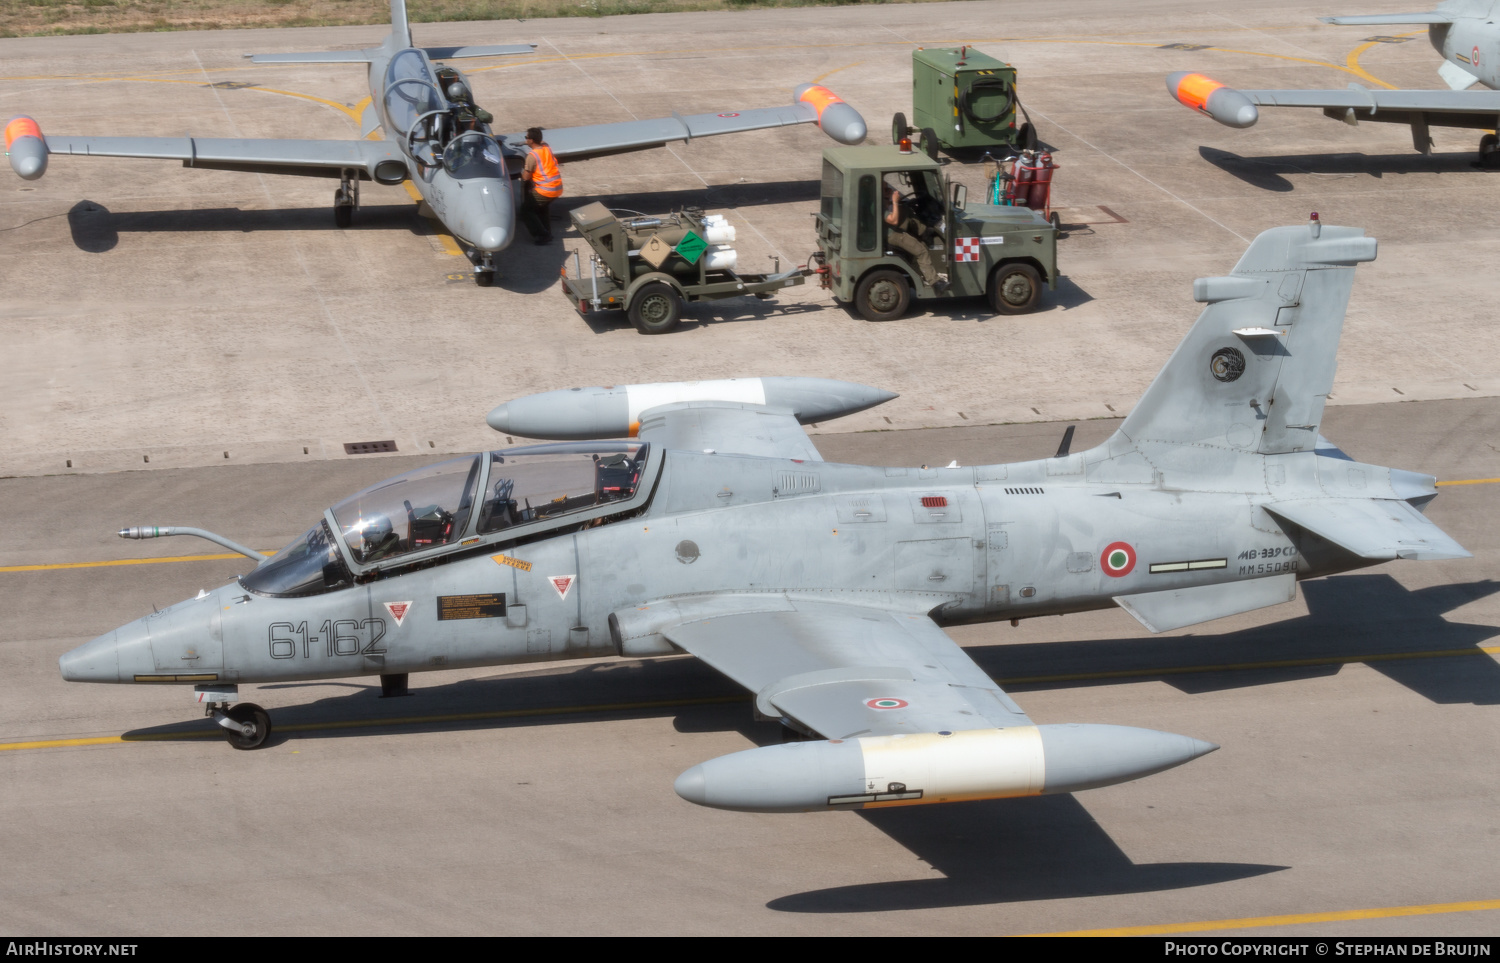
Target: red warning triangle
[398, 611]
[562, 584]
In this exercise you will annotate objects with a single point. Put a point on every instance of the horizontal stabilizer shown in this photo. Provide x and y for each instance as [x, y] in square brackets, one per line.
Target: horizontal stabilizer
[493, 50]
[1176, 608]
[315, 57]
[1379, 528]
[1391, 18]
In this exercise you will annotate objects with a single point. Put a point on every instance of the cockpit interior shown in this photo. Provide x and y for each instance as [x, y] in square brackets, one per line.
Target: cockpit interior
[475, 502]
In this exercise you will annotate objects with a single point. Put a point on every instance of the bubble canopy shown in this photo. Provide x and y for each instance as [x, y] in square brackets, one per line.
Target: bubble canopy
[477, 500]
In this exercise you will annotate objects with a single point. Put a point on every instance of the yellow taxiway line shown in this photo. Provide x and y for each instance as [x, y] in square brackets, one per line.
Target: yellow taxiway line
[1290, 919]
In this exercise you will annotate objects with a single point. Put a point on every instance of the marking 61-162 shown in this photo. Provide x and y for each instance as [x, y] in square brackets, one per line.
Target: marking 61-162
[344, 637]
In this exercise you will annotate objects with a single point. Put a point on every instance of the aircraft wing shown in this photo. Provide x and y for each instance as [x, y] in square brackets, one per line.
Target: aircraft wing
[324, 158]
[844, 671]
[1370, 104]
[1370, 527]
[814, 105]
[728, 427]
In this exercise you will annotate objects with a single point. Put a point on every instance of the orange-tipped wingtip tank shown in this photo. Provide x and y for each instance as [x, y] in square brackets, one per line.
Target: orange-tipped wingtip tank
[26, 148]
[837, 119]
[1224, 104]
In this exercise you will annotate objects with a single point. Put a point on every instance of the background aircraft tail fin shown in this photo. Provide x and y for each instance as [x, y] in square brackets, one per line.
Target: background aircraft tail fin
[1255, 370]
[400, 29]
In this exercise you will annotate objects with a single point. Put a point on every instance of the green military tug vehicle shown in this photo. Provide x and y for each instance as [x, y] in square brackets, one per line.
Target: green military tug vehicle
[1006, 253]
[648, 266]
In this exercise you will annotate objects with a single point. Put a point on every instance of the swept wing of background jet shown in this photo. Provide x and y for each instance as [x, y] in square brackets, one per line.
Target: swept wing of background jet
[711, 525]
[1463, 31]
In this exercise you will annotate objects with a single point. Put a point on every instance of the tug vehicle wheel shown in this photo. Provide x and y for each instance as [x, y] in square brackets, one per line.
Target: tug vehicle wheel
[1014, 288]
[882, 296]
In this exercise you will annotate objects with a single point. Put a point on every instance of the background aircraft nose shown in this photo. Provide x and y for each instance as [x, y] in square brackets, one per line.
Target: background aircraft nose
[493, 239]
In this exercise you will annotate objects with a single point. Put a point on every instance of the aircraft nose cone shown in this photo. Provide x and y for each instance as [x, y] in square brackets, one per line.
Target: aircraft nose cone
[116, 656]
[692, 785]
[493, 239]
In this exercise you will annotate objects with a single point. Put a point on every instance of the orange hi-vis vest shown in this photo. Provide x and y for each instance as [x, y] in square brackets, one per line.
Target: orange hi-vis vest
[546, 179]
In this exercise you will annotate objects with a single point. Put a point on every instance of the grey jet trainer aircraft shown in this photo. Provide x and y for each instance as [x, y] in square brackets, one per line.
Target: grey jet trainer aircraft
[1463, 31]
[435, 136]
[712, 527]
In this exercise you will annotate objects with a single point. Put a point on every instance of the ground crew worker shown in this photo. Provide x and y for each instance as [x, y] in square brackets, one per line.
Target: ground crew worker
[906, 234]
[543, 186]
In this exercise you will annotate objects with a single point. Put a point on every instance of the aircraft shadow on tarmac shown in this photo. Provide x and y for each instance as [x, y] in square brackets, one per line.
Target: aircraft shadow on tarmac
[1265, 172]
[96, 229]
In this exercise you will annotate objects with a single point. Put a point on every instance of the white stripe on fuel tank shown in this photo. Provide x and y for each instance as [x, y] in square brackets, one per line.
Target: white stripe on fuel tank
[968, 764]
[642, 397]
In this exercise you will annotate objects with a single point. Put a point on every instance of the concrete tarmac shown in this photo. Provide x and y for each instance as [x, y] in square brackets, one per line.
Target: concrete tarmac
[194, 347]
[1357, 769]
[192, 317]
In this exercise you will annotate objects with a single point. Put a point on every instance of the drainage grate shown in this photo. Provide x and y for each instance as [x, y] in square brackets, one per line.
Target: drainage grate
[368, 447]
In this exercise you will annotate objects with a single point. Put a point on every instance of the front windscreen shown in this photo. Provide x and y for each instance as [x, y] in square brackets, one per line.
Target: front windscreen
[309, 566]
[421, 509]
[473, 155]
[533, 487]
[833, 194]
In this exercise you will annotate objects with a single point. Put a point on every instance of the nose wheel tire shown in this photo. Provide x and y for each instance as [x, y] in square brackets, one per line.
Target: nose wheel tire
[1014, 288]
[882, 296]
[253, 715]
[656, 309]
[343, 214]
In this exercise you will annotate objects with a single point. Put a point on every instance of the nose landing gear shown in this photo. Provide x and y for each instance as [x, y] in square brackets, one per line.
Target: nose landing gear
[484, 268]
[246, 725]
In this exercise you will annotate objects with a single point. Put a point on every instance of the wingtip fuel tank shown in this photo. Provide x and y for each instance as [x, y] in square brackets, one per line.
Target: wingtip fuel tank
[25, 148]
[1224, 104]
[836, 118]
[918, 769]
[574, 414]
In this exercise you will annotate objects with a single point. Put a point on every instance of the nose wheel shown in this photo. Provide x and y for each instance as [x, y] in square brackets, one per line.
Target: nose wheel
[246, 725]
[484, 268]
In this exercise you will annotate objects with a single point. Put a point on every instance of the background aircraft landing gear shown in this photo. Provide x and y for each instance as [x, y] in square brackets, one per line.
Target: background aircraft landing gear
[246, 725]
[484, 269]
[1489, 151]
[345, 200]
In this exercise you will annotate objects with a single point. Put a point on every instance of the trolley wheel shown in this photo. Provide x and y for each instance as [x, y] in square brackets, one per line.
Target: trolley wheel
[898, 127]
[656, 309]
[248, 712]
[1056, 221]
[1026, 137]
[1014, 288]
[930, 142]
[882, 295]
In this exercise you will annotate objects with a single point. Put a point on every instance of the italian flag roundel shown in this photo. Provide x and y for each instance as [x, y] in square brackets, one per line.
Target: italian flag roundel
[1117, 559]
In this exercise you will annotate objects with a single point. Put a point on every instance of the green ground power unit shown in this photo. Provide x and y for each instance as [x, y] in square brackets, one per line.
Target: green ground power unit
[967, 98]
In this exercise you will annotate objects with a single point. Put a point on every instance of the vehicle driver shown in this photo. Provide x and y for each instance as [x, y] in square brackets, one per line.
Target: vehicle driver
[543, 186]
[907, 233]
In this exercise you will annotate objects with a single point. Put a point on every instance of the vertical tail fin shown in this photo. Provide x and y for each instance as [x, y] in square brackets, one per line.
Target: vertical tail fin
[1255, 370]
[400, 29]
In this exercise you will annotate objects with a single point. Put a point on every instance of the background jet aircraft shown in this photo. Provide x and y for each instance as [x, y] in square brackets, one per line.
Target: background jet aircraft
[432, 138]
[1463, 31]
[713, 527]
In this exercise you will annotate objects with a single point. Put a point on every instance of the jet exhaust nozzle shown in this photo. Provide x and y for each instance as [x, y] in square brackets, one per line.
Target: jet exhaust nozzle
[578, 414]
[26, 148]
[933, 767]
[1224, 104]
[837, 119]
